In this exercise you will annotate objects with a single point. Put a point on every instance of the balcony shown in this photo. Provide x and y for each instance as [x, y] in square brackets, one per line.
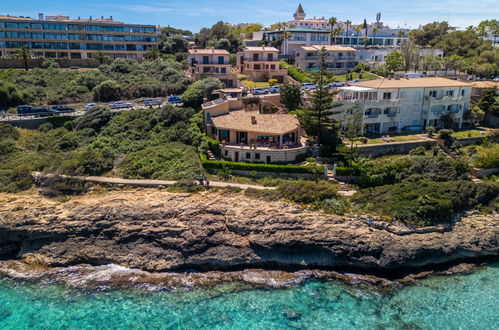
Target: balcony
[380, 102]
[210, 63]
[273, 60]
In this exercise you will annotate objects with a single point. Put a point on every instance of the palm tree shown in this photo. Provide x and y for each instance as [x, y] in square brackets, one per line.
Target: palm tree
[348, 23]
[375, 30]
[358, 28]
[337, 32]
[332, 22]
[100, 56]
[286, 35]
[24, 52]
[152, 53]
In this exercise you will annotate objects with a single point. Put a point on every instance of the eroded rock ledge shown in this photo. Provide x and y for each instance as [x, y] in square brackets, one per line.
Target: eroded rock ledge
[159, 231]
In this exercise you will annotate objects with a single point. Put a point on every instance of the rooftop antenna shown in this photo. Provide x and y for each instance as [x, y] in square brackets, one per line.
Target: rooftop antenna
[378, 17]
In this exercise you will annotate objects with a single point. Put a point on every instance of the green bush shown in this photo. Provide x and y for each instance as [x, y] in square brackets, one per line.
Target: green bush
[108, 90]
[418, 151]
[487, 156]
[338, 206]
[174, 161]
[311, 169]
[15, 180]
[213, 145]
[427, 202]
[299, 191]
[296, 73]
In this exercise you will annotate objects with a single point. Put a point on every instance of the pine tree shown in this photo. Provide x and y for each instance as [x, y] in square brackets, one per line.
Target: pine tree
[316, 118]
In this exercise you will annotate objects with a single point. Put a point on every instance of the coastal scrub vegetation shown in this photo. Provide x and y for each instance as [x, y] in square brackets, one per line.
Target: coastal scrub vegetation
[149, 143]
[122, 79]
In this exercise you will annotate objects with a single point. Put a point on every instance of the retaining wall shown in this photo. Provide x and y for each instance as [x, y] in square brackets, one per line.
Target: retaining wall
[377, 150]
[253, 174]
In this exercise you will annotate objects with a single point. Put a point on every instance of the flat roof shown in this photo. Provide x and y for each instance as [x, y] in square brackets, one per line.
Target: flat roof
[209, 51]
[328, 48]
[356, 89]
[265, 123]
[260, 49]
[387, 83]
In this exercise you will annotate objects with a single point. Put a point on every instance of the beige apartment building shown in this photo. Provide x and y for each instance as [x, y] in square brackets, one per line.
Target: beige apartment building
[339, 59]
[211, 63]
[260, 64]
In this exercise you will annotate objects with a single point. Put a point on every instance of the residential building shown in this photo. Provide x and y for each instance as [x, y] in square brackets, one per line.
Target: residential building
[300, 22]
[375, 56]
[211, 63]
[247, 134]
[260, 64]
[395, 105]
[339, 59]
[59, 36]
[491, 35]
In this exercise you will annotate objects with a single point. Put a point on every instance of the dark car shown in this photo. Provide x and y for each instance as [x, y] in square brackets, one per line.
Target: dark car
[29, 110]
[63, 108]
[175, 100]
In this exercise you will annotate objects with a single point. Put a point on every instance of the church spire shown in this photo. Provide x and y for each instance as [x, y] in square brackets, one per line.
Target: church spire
[299, 13]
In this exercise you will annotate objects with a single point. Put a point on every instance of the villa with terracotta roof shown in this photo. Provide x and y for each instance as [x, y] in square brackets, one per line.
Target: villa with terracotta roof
[211, 63]
[406, 104]
[339, 59]
[260, 64]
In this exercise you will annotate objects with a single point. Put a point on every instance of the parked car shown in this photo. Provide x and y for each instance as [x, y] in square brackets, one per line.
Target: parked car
[89, 106]
[176, 100]
[496, 79]
[63, 108]
[274, 89]
[120, 105]
[259, 91]
[308, 86]
[29, 110]
[152, 102]
[337, 84]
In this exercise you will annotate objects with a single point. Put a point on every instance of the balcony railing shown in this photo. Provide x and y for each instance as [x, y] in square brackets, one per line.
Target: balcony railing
[274, 59]
[330, 58]
[211, 63]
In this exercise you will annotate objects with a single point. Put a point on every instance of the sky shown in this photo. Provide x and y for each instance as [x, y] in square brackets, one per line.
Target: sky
[195, 14]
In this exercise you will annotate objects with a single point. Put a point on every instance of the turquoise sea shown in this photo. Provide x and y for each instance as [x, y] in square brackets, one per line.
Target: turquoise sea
[443, 302]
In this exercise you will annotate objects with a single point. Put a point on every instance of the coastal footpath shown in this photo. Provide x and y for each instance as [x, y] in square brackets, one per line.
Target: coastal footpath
[155, 230]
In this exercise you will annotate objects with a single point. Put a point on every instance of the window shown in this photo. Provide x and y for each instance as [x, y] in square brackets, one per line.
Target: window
[433, 93]
[206, 60]
[387, 95]
[220, 60]
[226, 153]
[248, 155]
[36, 25]
[213, 130]
[223, 70]
[270, 57]
[462, 92]
[449, 93]
[257, 156]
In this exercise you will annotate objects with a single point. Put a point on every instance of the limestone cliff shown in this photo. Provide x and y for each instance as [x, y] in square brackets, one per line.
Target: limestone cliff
[159, 231]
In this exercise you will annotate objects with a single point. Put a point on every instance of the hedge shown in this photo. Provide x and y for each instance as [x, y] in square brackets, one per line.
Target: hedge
[310, 169]
[344, 171]
[294, 72]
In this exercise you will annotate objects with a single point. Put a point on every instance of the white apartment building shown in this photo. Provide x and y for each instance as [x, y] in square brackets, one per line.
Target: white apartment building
[406, 104]
[375, 56]
[339, 59]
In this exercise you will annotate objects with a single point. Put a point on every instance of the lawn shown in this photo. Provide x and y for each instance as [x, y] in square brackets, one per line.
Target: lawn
[478, 132]
[355, 76]
[256, 84]
[395, 138]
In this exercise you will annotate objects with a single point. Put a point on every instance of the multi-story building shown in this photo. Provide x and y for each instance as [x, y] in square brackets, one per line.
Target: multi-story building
[339, 59]
[59, 36]
[211, 62]
[375, 56]
[260, 63]
[394, 105]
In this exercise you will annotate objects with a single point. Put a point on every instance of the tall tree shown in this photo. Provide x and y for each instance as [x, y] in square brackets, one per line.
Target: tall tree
[365, 27]
[316, 118]
[411, 55]
[286, 35]
[430, 33]
[100, 56]
[152, 53]
[394, 61]
[348, 24]
[290, 96]
[25, 53]
[332, 22]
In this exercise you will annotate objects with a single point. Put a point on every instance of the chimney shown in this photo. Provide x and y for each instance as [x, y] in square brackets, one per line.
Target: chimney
[102, 17]
[253, 120]
[90, 17]
[111, 17]
[79, 18]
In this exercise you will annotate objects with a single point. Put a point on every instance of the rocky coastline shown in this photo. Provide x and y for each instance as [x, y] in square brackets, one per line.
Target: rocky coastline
[157, 231]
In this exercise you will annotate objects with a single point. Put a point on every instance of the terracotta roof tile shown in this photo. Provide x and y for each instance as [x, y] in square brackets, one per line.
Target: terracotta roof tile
[265, 124]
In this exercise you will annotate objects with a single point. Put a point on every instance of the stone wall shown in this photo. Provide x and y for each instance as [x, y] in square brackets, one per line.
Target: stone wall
[276, 155]
[377, 150]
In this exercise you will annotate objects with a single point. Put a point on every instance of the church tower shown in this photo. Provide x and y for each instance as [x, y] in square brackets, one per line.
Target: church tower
[299, 13]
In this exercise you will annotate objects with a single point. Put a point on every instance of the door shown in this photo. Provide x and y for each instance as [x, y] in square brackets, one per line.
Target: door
[236, 156]
[268, 159]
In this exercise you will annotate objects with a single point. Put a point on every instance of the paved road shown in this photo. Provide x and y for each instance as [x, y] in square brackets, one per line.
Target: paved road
[76, 113]
[158, 183]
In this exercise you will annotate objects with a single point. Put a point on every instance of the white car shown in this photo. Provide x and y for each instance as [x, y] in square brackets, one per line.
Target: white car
[308, 86]
[89, 106]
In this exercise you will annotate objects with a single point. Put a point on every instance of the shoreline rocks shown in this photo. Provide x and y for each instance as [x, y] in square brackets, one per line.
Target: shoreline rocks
[158, 231]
